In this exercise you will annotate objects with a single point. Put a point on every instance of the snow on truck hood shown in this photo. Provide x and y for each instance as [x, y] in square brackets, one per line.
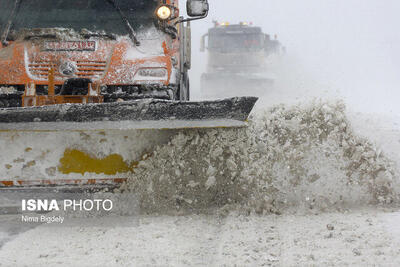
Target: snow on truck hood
[151, 41]
[148, 48]
[91, 57]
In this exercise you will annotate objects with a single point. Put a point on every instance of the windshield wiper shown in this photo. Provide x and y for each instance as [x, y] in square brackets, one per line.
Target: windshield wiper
[4, 36]
[132, 33]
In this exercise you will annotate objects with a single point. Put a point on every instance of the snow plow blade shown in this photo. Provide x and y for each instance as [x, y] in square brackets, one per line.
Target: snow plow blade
[139, 114]
[93, 146]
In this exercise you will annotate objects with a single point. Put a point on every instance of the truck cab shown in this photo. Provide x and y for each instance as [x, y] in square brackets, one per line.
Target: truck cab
[86, 51]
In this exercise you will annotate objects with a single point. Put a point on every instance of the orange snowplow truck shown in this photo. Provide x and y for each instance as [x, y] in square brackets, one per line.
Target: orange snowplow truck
[88, 88]
[94, 51]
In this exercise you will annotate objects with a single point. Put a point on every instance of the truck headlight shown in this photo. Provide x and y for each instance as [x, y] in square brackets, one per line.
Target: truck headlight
[164, 12]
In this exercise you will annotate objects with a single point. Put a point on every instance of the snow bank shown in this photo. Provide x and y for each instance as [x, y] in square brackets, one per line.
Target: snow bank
[300, 156]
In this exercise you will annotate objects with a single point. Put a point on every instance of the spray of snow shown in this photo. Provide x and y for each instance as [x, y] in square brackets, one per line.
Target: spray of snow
[300, 156]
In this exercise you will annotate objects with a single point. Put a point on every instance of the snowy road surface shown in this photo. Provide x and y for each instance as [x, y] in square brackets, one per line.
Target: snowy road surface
[355, 238]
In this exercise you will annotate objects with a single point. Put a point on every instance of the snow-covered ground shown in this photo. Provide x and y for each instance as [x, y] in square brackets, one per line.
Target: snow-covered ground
[365, 237]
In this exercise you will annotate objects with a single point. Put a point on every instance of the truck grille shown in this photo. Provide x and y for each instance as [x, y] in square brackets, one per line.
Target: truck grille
[85, 69]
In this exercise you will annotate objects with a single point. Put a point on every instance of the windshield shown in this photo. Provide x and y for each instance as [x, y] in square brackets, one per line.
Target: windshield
[236, 42]
[93, 15]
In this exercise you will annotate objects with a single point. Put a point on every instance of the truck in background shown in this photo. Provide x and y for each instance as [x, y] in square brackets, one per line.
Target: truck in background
[237, 60]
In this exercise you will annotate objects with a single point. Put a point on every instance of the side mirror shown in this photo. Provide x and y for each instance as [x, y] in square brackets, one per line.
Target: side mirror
[197, 8]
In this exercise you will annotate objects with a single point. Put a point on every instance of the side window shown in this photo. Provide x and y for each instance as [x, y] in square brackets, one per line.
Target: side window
[216, 41]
